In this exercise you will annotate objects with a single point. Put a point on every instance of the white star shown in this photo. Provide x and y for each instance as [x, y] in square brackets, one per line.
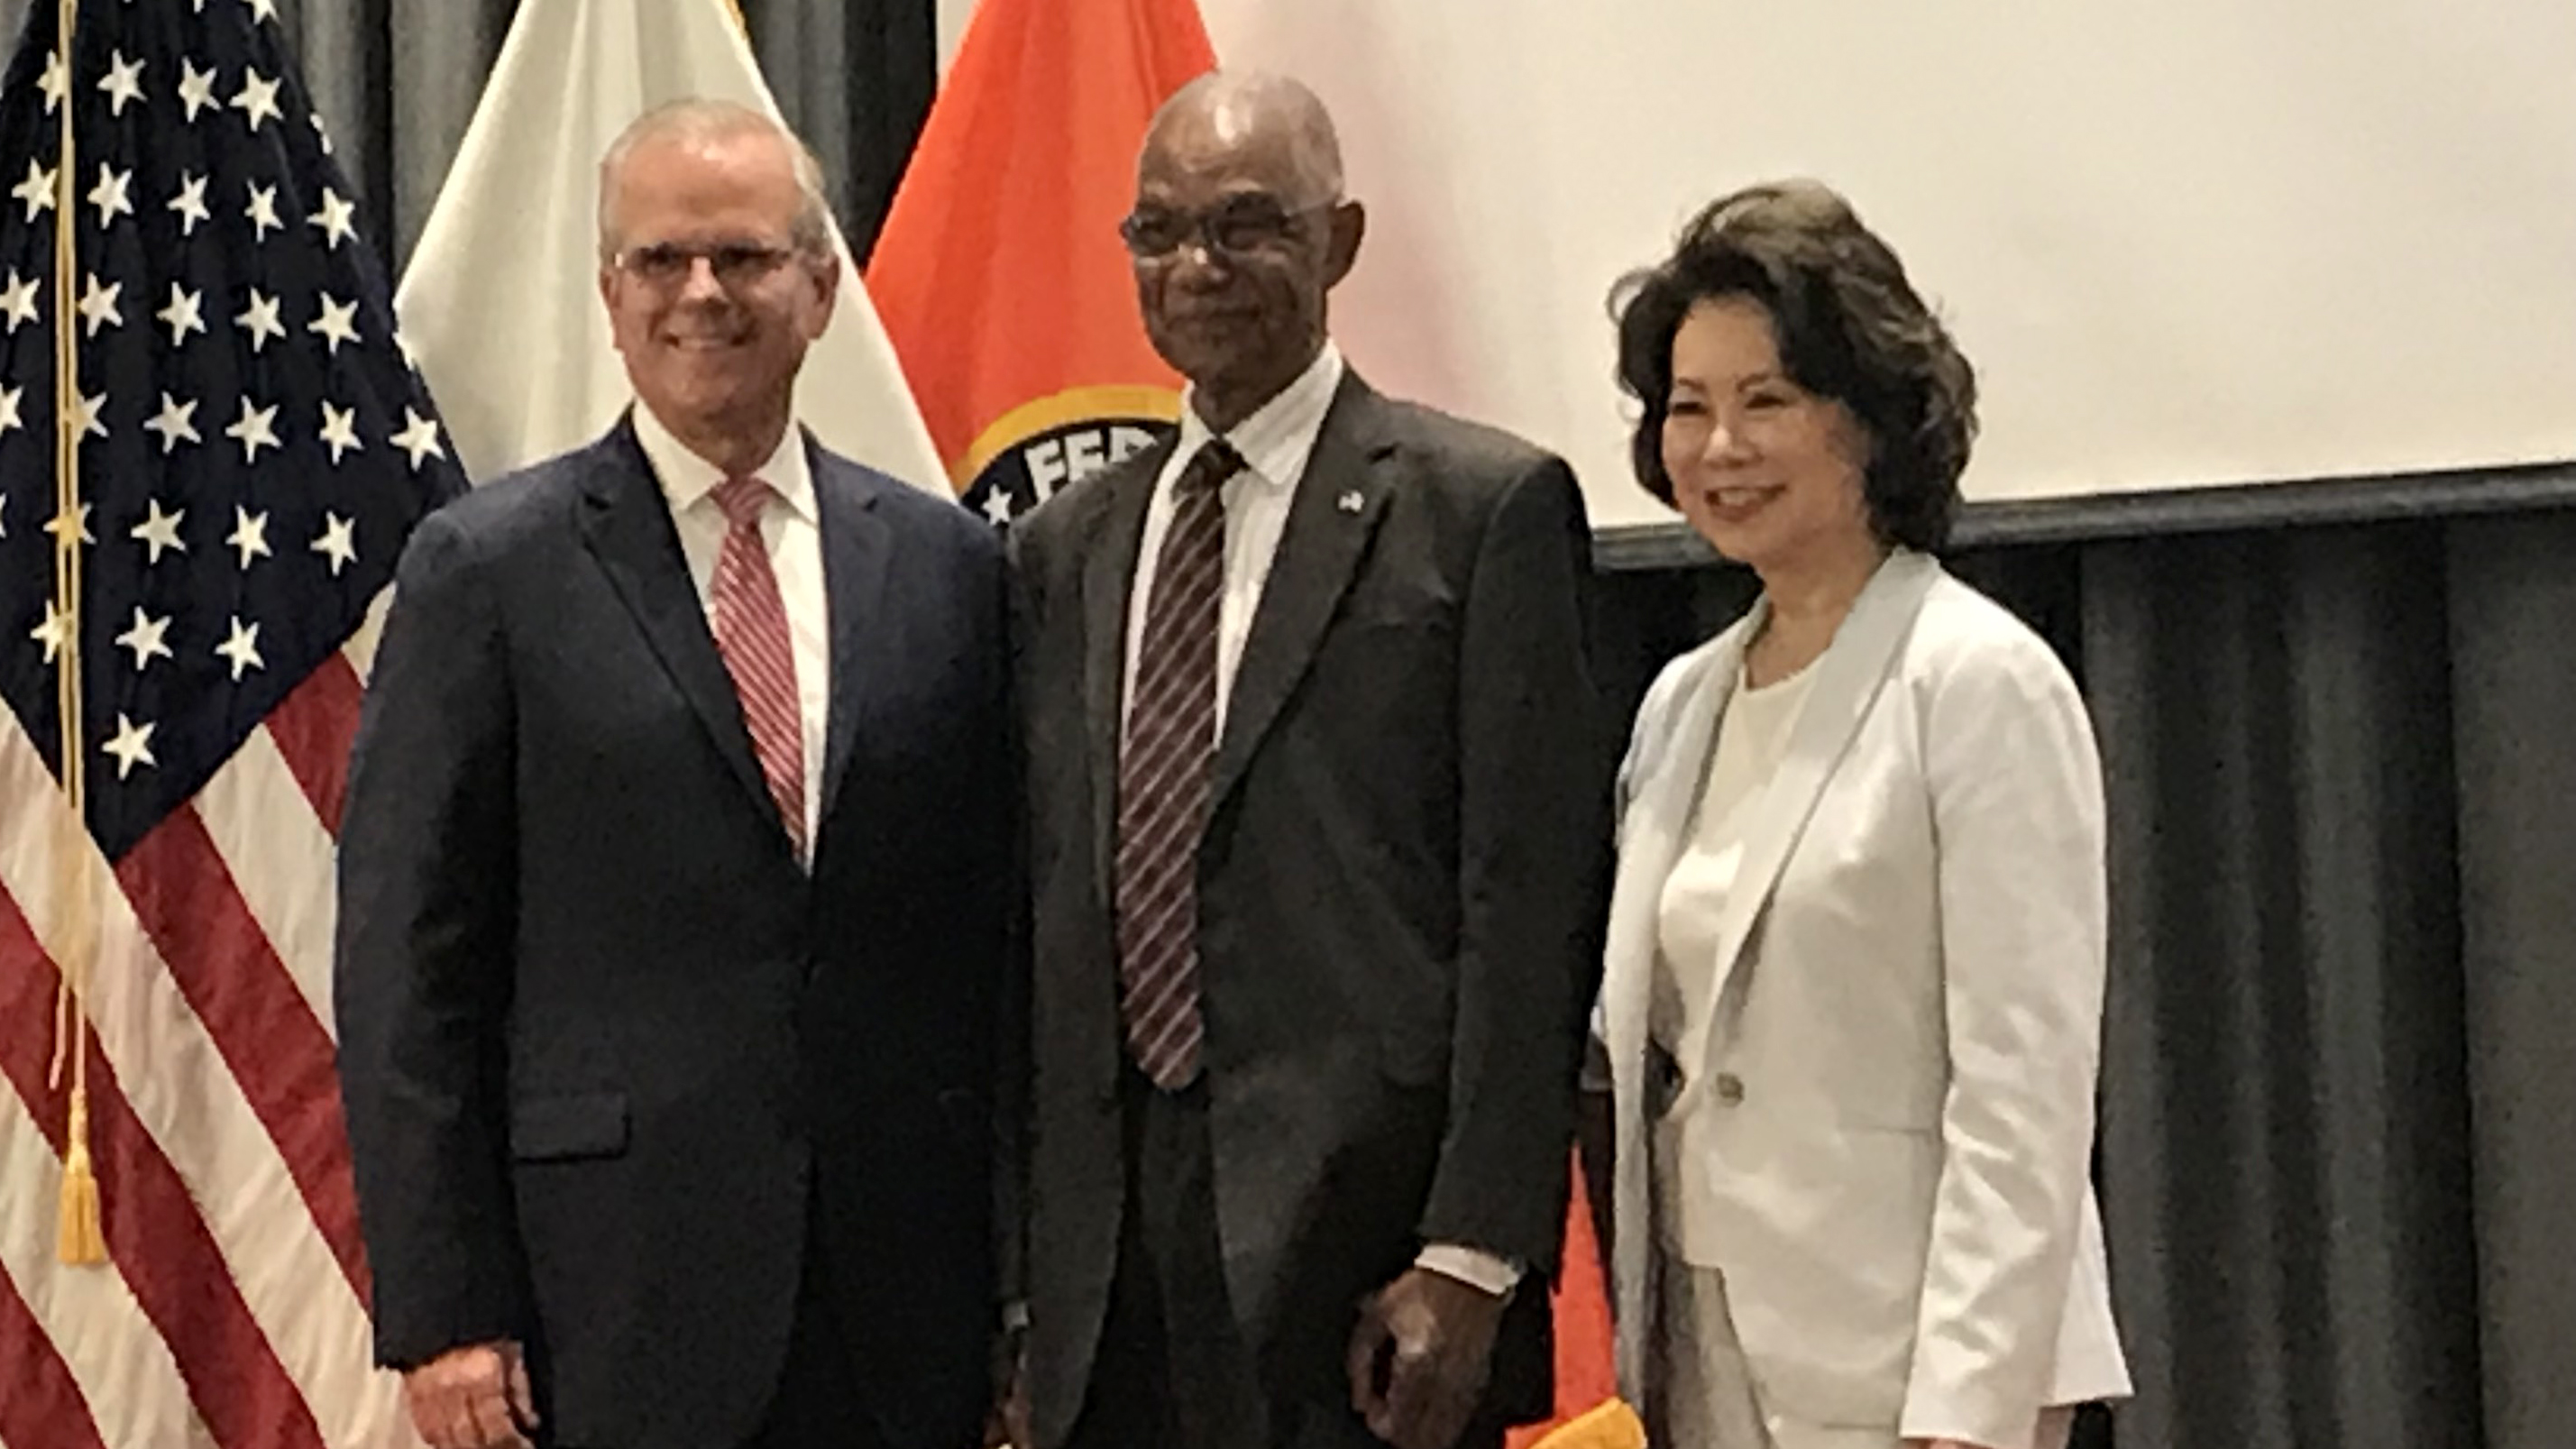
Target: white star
[85, 416]
[334, 218]
[54, 633]
[190, 203]
[258, 99]
[196, 88]
[124, 83]
[177, 423]
[131, 747]
[70, 525]
[337, 323]
[109, 195]
[338, 542]
[242, 648]
[250, 535]
[262, 212]
[56, 82]
[321, 133]
[255, 429]
[340, 430]
[146, 638]
[261, 320]
[419, 438]
[160, 530]
[37, 190]
[997, 506]
[4, 515]
[184, 314]
[98, 305]
[262, 9]
[18, 300]
[9, 413]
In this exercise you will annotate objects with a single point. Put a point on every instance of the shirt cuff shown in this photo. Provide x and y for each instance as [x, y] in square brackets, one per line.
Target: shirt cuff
[1472, 1266]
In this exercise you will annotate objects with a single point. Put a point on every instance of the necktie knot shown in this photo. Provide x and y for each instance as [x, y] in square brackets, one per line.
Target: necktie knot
[742, 499]
[1214, 462]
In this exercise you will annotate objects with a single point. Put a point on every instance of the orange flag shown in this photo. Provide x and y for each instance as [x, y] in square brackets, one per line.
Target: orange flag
[1586, 1381]
[999, 274]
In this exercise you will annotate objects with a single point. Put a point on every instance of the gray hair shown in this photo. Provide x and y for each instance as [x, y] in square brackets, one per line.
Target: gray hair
[701, 119]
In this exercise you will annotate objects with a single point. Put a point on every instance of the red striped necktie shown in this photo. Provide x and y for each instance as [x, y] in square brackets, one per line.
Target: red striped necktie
[1163, 779]
[751, 634]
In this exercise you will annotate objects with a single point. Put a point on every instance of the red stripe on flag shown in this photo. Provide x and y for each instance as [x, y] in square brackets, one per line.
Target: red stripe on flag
[313, 727]
[160, 1243]
[277, 1049]
[40, 1404]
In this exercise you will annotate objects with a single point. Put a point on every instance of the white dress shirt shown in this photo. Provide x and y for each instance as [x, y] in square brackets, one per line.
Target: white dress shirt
[1276, 442]
[1752, 735]
[791, 527]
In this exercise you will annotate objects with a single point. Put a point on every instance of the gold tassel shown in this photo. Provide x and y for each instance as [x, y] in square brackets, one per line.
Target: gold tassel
[82, 1240]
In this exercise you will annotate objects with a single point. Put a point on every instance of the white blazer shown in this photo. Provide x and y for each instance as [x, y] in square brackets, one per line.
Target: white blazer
[1908, 1022]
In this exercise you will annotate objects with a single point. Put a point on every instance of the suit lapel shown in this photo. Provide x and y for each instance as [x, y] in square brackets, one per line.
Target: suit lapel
[1669, 763]
[1653, 828]
[1331, 518]
[626, 523]
[1849, 676]
[856, 554]
[1108, 579]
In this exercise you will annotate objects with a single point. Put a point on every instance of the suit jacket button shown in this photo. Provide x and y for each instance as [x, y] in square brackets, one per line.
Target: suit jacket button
[1730, 1088]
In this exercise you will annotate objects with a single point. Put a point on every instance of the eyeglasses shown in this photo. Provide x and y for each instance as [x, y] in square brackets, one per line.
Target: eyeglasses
[1237, 229]
[735, 264]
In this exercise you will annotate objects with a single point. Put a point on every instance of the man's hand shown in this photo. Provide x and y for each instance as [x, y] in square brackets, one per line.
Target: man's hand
[1419, 1359]
[475, 1397]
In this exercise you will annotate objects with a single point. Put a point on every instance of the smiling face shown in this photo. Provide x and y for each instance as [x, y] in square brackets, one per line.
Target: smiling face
[1769, 473]
[714, 358]
[1236, 240]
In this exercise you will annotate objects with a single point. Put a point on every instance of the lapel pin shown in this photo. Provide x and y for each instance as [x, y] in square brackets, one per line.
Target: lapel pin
[1350, 502]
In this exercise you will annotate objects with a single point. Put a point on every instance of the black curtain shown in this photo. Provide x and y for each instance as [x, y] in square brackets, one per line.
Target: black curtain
[2338, 1120]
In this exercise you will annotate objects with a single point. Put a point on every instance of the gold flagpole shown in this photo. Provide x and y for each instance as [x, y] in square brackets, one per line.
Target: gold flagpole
[80, 1239]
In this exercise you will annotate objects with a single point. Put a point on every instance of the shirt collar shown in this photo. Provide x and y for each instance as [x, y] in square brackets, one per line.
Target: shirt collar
[1280, 435]
[688, 479]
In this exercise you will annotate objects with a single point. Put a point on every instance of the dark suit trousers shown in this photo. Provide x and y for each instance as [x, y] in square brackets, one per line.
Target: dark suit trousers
[818, 1404]
[1172, 1370]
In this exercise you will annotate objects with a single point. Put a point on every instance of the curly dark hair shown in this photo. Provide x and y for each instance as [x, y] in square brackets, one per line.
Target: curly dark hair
[1850, 328]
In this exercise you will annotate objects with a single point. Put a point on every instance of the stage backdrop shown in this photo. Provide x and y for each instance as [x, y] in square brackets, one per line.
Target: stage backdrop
[2189, 244]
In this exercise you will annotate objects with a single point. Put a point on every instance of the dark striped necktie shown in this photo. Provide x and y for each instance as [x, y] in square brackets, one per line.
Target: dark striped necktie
[1163, 764]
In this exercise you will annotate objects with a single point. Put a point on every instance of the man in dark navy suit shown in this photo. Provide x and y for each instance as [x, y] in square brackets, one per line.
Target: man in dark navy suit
[675, 889]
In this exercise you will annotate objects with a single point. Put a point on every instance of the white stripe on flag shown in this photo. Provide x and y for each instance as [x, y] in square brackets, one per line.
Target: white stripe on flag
[361, 648]
[280, 857]
[125, 1373]
[189, 1102]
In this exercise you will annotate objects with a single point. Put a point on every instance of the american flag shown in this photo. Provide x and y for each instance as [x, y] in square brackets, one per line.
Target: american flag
[254, 450]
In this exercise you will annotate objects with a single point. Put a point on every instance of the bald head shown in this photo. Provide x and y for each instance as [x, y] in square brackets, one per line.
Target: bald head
[1239, 231]
[1270, 122]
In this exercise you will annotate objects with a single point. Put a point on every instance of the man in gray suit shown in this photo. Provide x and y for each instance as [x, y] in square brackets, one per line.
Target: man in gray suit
[1319, 797]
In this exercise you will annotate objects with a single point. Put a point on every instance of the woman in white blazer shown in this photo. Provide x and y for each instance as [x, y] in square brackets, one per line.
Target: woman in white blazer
[1853, 991]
